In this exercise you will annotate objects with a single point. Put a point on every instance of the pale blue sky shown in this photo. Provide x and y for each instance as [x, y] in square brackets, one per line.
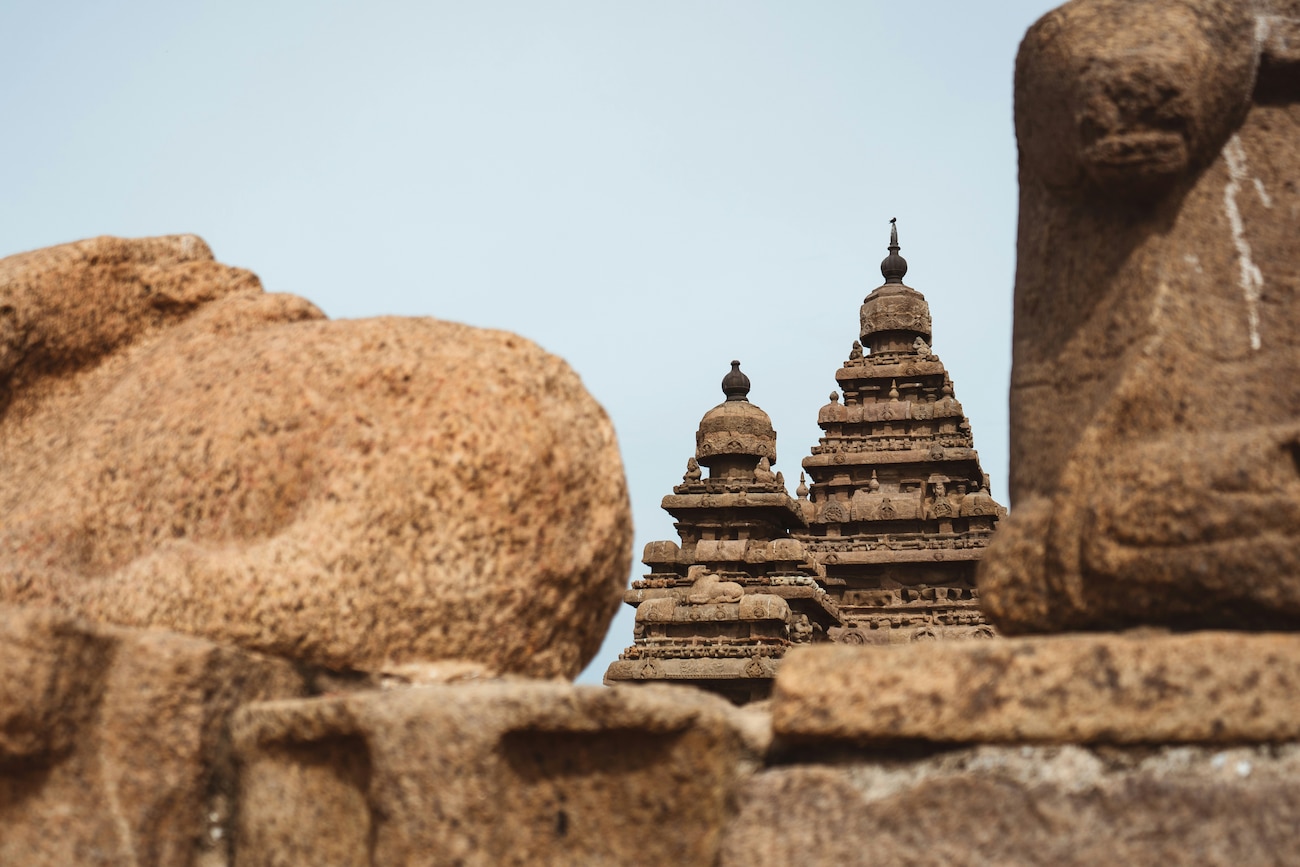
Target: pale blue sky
[647, 189]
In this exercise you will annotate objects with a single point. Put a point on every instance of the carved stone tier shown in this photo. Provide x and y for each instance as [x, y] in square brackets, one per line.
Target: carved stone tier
[899, 512]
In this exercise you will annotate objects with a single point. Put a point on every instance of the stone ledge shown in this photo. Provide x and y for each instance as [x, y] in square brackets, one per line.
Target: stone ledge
[500, 772]
[1060, 805]
[1131, 688]
[700, 668]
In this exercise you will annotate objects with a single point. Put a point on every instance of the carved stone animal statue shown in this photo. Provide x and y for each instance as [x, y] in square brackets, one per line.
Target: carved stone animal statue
[1155, 395]
[180, 449]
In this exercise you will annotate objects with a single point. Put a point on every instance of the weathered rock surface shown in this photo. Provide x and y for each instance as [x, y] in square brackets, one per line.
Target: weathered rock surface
[184, 451]
[501, 772]
[1211, 687]
[1027, 805]
[1155, 431]
[114, 746]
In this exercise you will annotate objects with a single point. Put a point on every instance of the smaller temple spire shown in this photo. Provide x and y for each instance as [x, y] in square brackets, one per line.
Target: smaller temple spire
[894, 266]
[735, 385]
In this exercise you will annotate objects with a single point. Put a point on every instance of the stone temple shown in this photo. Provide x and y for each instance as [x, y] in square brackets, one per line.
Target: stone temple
[881, 549]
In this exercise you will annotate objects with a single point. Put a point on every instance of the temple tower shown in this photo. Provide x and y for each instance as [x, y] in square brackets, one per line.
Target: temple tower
[899, 511]
[720, 608]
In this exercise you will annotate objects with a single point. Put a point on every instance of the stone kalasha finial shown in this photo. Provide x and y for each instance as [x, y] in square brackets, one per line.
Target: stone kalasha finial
[802, 491]
[735, 385]
[735, 428]
[894, 266]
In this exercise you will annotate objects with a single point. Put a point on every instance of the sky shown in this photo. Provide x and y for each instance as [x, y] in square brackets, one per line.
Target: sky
[648, 190]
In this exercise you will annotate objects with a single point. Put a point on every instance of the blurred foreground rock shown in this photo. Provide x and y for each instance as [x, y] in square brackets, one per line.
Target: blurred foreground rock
[145, 747]
[182, 450]
[492, 773]
[1004, 805]
[1135, 688]
[1155, 413]
[114, 744]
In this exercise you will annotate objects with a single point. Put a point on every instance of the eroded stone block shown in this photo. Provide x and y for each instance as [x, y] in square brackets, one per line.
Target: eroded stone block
[113, 742]
[1026, 806]
[501, 772]
[1144, 687]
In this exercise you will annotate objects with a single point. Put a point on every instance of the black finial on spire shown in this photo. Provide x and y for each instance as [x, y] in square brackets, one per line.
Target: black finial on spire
[735, 385]
[894, 267]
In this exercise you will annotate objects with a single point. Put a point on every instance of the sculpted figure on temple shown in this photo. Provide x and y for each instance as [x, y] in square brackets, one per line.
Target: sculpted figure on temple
[763, 474]
[1155, 399]
[834, 512]
[709, 588]
[942, 508]
[692, 471]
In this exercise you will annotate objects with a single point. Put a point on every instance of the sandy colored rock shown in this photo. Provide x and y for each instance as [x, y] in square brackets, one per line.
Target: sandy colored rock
[501, 772]
[184, 451]
[1027, 805]
[1155, 418]
[114, 747]
[1211, 687]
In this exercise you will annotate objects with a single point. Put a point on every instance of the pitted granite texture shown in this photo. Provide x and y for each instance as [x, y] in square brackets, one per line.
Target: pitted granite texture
[1155, 413]
[1135, 688]
[1020, 805]
[114, 746]
[182, 450]
[494, 772]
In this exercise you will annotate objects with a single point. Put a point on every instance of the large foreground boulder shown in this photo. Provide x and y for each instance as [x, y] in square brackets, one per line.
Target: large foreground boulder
[182, 450]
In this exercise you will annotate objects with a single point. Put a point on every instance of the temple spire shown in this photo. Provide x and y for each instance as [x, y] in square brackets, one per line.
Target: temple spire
[735, 385]
[894, 266]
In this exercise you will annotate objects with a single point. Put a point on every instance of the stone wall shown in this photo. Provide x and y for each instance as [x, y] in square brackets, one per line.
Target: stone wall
[145, 747]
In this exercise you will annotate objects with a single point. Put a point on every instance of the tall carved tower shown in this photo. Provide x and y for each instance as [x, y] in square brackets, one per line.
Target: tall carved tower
[899, 511]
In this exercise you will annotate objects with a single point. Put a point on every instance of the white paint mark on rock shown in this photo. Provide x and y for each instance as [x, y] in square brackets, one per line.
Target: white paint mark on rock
[1265, 199]
[1252, 280]
[1157, 318]
[1263, 24]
